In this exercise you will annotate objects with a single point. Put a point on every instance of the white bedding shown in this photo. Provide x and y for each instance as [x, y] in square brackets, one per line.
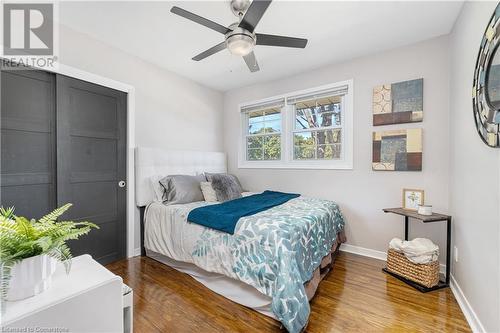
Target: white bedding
[167, 231]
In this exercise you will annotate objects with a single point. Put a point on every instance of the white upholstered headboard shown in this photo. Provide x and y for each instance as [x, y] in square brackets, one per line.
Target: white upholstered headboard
[155, 161]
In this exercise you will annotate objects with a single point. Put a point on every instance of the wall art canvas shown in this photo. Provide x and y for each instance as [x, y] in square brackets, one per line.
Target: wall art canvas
[398, 103]
[397, 150]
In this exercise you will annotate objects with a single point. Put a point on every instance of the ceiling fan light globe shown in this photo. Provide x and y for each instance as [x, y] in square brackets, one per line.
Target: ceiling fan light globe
[240, 45]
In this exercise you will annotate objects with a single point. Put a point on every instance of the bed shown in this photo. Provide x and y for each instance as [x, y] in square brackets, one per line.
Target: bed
[272, 263]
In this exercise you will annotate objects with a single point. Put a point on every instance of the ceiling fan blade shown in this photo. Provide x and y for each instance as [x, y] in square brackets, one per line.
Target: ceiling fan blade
[200, 20]
[284, 41]
[252, 64]
[254, 14]
[210, 51]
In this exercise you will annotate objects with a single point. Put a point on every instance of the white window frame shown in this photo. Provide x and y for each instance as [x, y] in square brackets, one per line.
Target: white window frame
[242, 150]
[288, 127]
[263, 136]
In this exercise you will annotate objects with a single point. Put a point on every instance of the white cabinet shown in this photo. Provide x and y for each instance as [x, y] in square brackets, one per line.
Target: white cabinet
[88, 299]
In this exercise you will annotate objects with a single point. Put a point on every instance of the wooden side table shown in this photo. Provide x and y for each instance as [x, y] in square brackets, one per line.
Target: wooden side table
[425, 219]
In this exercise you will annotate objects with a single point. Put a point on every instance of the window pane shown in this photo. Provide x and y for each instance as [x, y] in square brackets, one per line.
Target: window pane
[255, 128]
[337, 118]
[273, 126]
[304, 152]
[329, 136]
[272, 114]
[255, 117]
[301, 120]
[327, 102]
[255, 122]
[304, 139]
[337, 150]
[316, 116]
[328, 151]
[313, 118]
[254, 154]
[272, 147]
[322, 144]
[264, 121]
[255, 142]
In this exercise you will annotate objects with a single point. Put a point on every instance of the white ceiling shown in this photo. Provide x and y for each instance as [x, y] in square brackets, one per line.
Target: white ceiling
[337, 31]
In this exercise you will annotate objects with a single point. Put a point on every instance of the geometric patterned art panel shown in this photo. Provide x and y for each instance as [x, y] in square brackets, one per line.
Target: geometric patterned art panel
[398, 103]
[398, 150]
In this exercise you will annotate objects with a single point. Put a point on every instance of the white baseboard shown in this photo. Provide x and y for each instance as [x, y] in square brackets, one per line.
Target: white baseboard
[137, 252]
[362, 251]
[468, 311]
[470, 315]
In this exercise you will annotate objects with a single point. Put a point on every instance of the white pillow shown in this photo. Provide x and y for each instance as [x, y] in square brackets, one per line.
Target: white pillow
[156, 187]
[182, 189]
[208, 192]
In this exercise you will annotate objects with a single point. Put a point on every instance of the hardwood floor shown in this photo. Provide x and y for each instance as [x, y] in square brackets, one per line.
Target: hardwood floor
[356, 297]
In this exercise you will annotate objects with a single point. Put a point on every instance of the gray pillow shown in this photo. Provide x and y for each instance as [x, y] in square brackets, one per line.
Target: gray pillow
[181, 189]
[227, 187]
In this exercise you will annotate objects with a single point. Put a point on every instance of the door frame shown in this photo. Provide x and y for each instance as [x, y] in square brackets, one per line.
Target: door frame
[132, 212]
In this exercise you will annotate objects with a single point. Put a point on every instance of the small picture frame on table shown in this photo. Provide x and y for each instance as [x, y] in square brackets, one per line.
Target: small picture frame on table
[412, 199]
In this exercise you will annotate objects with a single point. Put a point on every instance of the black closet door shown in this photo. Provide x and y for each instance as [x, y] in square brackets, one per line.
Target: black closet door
[28, 159]
[91, 163]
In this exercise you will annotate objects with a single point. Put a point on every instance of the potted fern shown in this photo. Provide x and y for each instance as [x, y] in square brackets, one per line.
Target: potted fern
[30, 249]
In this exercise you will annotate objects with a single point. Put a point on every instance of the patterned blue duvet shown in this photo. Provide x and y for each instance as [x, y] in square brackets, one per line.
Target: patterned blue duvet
[276, 251]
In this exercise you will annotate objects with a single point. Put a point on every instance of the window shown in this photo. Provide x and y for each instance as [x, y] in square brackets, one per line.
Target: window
[317, 133]
[262, 124]
[306, 129]
[264, 134]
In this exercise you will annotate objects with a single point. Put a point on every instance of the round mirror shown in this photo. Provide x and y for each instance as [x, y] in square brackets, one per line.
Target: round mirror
[486, 89]
[493, 81]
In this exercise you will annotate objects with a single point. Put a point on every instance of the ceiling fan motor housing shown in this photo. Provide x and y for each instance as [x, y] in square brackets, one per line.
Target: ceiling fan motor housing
[239, 7]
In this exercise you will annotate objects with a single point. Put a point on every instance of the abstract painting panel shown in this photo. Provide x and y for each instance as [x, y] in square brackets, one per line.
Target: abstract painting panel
[398, 103]
[398, 150]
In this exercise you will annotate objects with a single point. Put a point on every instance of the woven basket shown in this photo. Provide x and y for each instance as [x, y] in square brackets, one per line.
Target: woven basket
[424, 274]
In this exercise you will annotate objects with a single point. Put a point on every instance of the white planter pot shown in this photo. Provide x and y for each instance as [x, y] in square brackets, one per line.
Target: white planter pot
[30, 277]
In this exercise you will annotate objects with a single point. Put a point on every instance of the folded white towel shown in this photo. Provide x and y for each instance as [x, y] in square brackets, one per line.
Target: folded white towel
[418, 251]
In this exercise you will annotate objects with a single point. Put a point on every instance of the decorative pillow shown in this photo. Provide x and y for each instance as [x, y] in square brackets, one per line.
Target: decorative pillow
[156, 187]
[181, 189]
[227, 187]
[208, 192]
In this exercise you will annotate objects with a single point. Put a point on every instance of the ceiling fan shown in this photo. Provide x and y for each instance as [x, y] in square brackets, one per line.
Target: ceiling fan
[240, 37]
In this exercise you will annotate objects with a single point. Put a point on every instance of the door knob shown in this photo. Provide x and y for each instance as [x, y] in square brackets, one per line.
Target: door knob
[122, 183]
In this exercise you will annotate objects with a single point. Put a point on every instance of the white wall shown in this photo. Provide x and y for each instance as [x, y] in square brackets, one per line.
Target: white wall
[474, 176]
[170, 111]
[361, 192]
